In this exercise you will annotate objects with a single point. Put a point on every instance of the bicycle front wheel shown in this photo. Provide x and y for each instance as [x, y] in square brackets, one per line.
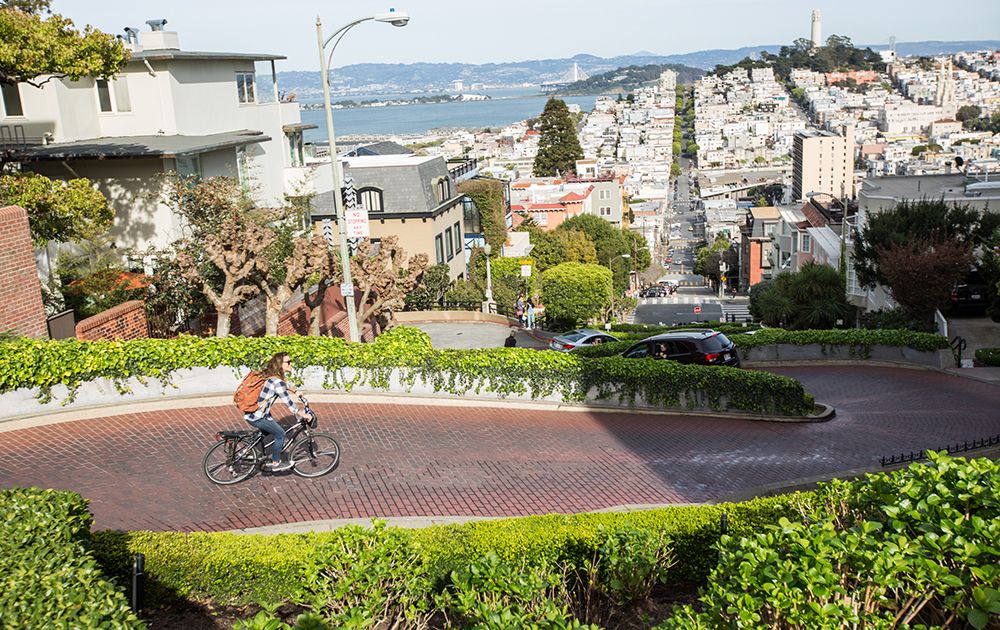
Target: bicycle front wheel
[315, 456]
[230, 461]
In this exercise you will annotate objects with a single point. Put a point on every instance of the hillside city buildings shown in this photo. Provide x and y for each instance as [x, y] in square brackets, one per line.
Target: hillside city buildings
[828, 149]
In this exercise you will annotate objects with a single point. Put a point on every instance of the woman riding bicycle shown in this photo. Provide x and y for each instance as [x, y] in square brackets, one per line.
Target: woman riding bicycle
[275, 387]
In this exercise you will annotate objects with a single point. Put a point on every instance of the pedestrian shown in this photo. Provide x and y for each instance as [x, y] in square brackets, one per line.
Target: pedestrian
[511, 341]
[519, 309]
[529, 312]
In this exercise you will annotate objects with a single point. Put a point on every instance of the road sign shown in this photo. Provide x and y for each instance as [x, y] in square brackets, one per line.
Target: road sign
[697, 310]
[723, 279]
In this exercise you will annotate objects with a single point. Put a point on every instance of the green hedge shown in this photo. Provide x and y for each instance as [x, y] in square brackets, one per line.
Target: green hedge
[48, 577]
[855, 337]
[988, 356]
[503, 371]
[653, 329]
[860, 340]
[245, 569]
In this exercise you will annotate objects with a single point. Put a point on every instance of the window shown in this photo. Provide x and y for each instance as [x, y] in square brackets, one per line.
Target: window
[439, 249]
[443, 189]
[605, 211]
[456, 232]
[604, 194]
[245, 87]
[370, 199]
[188, 165]
[112, 96]
[806, 243]
[449, 244]
[11, 100]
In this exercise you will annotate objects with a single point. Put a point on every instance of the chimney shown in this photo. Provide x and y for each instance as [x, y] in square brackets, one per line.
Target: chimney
[132, 39]
[158, 39]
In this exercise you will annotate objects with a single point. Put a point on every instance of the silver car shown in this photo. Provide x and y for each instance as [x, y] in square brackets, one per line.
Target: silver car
[576, 338]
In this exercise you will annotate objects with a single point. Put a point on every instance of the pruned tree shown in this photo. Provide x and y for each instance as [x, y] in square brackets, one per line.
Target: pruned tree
[385, 277]
[235, 251]
[326, 271]
[287, 268]
[225, 239]
[920, 273]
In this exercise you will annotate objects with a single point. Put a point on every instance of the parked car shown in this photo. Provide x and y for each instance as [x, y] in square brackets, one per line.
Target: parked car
[576, 338]
[972, 295]
[653, 291]
[701, 346]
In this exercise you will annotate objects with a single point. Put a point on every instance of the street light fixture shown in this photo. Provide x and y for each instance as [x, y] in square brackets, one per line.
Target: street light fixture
[396, 18]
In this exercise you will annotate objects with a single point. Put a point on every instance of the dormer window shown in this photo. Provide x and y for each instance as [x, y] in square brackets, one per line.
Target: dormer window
[370, 199]
[245, 87]
[443, 189]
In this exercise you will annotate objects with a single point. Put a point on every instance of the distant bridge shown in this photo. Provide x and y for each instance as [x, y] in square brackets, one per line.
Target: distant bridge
[573, 75]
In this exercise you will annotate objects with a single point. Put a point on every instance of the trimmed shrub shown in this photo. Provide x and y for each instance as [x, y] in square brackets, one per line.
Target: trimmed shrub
[919, 544]
[575, 292]
[859, 339]
[244, 569]
[988, 356]
[48, 578]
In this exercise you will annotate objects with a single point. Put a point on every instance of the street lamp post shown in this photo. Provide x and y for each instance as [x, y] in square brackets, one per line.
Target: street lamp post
[347, 286]
[489, 305]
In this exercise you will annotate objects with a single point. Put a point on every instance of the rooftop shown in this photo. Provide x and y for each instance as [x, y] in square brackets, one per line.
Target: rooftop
[395, 159]
[765, 213]
[949, 186]
[139, 146]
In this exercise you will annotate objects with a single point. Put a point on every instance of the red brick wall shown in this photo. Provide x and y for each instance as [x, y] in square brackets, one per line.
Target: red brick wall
[125, 321]
[21, 309]
[333, 318]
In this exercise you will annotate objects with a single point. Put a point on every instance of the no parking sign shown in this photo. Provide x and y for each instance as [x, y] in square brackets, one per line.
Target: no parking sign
[697, 310]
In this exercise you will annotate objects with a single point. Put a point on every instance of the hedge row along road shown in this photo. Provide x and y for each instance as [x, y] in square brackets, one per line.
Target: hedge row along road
[142, 471]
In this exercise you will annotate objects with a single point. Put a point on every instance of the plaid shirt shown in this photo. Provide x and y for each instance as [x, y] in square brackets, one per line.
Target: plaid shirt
[274, 388]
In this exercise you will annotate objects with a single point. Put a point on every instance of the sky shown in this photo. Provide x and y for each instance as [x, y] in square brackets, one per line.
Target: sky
[474, 31]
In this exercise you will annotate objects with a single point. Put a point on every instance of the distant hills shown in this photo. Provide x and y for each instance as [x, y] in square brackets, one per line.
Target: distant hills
[437, 77]
[631, 77]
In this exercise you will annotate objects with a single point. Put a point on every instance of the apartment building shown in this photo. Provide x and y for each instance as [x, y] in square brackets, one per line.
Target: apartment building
[168, 111]
[414, 198]
[823, 162]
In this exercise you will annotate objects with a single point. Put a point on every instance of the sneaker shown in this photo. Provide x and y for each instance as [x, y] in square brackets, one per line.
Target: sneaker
[279, 466]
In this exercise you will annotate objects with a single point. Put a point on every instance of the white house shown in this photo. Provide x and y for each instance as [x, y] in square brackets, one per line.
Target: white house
[169, 110]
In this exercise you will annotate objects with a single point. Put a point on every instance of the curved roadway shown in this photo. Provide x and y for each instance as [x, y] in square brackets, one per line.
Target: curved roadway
[142, 471]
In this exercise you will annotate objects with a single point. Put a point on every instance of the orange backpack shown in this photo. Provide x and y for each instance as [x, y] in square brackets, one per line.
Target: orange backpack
[248, 393]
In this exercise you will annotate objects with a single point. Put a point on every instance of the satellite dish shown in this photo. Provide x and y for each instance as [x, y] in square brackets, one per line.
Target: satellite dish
[959, 161]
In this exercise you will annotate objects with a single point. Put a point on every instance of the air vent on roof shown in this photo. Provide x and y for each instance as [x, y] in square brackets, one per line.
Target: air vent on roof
[156, 25]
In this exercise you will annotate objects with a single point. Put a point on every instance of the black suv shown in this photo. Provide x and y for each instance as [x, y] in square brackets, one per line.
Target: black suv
[702, 346]
[971, 295]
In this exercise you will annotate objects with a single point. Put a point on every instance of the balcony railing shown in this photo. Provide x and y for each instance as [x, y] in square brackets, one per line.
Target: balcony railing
[464, 168]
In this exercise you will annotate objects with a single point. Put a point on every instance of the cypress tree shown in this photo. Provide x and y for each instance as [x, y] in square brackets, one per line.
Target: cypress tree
[558, 146]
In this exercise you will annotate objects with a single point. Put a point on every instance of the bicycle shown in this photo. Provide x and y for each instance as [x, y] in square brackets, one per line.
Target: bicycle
[239, 454]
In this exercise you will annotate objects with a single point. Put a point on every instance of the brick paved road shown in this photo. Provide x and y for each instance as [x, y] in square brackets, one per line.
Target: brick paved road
[142, 471]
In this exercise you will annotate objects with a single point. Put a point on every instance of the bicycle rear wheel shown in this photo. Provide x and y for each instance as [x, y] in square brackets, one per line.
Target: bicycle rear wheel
[231, 461]
[315, 455]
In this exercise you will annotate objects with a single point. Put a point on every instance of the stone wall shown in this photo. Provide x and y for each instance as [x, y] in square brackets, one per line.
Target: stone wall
[21, 309]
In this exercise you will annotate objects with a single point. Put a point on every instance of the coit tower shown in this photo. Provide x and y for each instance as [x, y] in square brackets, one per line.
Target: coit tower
[816, 34]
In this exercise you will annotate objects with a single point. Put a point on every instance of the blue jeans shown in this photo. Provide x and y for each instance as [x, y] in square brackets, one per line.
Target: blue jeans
[531, 317]
[275, 430]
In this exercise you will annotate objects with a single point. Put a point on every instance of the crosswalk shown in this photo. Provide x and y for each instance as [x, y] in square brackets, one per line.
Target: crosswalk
[680, 299]
[736, 312]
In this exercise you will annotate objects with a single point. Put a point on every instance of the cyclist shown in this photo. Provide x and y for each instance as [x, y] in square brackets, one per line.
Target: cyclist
[275, 387]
